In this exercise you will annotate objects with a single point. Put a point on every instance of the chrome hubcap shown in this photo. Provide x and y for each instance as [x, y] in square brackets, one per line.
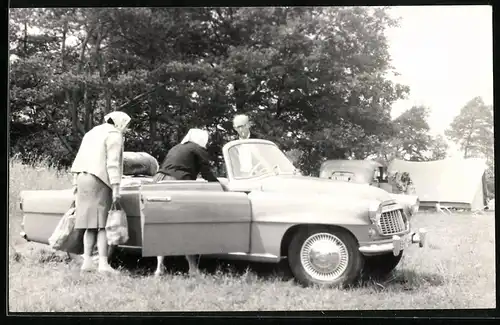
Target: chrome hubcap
[324, 256]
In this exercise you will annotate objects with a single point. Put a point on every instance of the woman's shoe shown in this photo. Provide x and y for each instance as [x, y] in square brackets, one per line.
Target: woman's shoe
[87, 265]
[160, 271]
[104, 266]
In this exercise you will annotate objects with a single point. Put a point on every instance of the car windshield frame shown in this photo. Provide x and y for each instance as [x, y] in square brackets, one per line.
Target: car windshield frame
[278, 164]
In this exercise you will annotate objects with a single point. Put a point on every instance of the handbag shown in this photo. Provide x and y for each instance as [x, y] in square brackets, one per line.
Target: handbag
[116, 226]
[65, 237]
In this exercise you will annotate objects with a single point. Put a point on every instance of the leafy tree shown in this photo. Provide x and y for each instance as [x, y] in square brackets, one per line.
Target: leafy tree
[438, 148]
[409, 139]
[311, 78]
[472, 129]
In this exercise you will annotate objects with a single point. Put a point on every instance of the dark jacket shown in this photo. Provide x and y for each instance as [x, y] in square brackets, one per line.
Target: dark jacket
[186, 161]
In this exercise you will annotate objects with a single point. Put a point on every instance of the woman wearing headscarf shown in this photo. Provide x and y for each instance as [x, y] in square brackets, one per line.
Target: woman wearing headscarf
[188, 159]
[185, 161]
[97, 172]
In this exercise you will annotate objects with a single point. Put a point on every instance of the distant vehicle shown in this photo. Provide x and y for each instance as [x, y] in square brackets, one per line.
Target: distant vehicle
[367, 172]
[356, 171]
[331, 232]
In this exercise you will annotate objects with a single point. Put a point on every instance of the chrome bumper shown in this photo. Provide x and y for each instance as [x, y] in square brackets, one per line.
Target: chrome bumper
[397, 243]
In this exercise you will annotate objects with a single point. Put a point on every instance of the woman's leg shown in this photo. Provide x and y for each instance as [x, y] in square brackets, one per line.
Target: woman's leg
[102, 248]
[160, 268]
[193, 264]
[88, 244]
[111, 252]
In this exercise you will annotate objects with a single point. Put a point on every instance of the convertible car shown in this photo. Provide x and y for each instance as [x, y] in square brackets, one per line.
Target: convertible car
[330, 232]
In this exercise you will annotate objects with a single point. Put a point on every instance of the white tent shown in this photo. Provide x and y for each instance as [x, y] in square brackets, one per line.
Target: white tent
[452, 182]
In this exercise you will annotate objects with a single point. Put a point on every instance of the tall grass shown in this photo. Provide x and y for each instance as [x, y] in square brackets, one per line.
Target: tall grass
[41, 176]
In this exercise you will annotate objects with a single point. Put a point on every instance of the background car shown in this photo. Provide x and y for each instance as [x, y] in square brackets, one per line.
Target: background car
[357, 171]
[368, 172]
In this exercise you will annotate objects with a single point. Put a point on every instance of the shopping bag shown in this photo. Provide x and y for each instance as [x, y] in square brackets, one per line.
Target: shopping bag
[65, 237]
[116, 226]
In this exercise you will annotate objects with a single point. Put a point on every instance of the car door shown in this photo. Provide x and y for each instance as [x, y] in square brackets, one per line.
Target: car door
[197, 219]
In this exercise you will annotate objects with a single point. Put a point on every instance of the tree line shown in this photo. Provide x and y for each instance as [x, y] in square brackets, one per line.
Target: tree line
[315, 80]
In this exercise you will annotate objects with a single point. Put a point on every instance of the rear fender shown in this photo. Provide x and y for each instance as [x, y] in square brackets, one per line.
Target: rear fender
[42, 211]
[46, 201]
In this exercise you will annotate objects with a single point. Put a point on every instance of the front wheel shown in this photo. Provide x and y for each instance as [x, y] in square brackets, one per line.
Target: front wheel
[324, 256]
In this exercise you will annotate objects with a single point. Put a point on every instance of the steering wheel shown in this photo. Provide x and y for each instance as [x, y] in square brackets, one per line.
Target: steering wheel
[252, 171]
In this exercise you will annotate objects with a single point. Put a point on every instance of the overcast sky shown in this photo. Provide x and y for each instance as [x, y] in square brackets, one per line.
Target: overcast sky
[445, 55]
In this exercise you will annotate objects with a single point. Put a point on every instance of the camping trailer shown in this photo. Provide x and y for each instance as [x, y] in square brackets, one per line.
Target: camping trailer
[453, 182]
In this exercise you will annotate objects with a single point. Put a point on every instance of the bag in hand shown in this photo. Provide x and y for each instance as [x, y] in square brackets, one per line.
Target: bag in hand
[116, 226]
[65, 237]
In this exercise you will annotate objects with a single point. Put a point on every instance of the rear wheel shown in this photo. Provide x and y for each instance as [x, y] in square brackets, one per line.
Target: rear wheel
[324, 256]
[380, 266]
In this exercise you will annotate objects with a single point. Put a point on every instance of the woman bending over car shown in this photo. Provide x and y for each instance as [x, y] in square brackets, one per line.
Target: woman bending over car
[97, 172]
[185, 161]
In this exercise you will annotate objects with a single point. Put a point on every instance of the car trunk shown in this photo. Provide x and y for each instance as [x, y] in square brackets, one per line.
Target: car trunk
[43, 209]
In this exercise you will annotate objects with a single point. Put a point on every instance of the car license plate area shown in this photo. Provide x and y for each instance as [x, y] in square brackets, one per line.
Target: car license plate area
[406, 241]
[401, 243]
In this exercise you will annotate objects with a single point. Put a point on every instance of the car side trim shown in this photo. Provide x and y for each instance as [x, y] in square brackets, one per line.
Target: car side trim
[264, 258]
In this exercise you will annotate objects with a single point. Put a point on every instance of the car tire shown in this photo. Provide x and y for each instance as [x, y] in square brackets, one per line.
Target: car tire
[380, 266]
[342, 269]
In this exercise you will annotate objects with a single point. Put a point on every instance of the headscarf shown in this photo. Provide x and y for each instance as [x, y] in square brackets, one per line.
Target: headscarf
[198, 136]
[120, 119]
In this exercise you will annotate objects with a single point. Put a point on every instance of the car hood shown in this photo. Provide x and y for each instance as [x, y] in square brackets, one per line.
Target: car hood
[315, 185]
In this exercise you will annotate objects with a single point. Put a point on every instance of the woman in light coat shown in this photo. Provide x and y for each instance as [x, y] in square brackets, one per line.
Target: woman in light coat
[97, 172]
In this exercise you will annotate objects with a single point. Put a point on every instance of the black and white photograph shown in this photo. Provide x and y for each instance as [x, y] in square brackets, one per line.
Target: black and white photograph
[287, 158]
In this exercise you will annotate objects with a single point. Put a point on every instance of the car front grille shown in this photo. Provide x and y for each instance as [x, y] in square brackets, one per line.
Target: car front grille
[392, 222]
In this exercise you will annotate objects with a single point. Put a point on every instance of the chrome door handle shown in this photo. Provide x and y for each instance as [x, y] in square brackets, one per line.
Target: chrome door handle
[159, 199]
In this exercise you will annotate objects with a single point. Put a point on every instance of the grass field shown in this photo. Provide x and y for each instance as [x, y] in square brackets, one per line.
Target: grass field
[456, 270]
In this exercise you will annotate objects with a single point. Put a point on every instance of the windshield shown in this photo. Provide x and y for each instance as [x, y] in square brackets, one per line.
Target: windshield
[250, 160]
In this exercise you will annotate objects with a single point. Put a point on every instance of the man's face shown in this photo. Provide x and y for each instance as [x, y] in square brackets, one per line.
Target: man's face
[242, 127]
